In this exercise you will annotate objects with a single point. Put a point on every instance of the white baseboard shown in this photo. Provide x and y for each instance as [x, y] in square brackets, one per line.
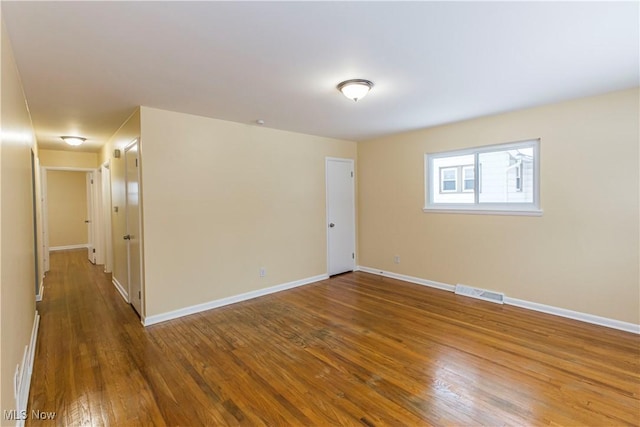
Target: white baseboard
[120, 289]
[67, 247]
[22, 380]
[40, 291]
[556, 311]
[150, 320]
[410, 279]
[576, 315]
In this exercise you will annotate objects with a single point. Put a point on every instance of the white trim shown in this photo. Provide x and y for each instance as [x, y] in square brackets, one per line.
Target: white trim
[40, 291]
[476, 211]
[575, 315]
[410, 279]
[548, 309]
[120, 289]
[68, 247]
[22, 381]
[163, 317]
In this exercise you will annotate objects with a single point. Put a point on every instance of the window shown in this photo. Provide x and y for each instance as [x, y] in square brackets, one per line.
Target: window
[469, 178]
[519, 177]
[448, 180]
[500, 179]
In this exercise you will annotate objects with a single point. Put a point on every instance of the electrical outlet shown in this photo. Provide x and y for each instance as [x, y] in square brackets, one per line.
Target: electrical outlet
[396, 259]
[263, 272]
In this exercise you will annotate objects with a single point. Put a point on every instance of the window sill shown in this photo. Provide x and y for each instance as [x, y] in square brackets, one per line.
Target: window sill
[472, 211]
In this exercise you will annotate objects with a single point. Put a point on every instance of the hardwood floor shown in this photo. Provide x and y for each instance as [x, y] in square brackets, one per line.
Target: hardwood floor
[356, 349]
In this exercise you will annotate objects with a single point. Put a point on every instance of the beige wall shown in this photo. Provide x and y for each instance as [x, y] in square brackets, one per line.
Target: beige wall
[223, 199]
[582, 254]
[67, 208]
[17, 260]
[128, 132]
[68, 159]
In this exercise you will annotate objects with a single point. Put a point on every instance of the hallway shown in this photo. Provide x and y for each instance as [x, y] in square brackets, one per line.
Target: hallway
[89, 367]
[352, 350]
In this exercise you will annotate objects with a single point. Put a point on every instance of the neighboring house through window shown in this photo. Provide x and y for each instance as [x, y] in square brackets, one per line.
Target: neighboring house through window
[456, 179]
[448, 180]
[468, 174]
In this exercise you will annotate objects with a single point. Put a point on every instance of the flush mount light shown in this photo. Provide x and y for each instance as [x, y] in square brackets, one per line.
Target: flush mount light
[73, 140]
[355, 89]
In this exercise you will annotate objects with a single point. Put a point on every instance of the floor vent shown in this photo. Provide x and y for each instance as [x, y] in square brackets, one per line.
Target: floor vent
[483, 294]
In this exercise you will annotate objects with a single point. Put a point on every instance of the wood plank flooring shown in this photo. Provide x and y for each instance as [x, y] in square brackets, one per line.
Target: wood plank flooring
[356, 349]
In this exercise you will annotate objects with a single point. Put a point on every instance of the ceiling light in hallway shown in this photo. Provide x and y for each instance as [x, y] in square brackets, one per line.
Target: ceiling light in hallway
[73, 140]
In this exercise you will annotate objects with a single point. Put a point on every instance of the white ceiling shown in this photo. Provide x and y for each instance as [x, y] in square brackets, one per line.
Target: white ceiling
[85, 65]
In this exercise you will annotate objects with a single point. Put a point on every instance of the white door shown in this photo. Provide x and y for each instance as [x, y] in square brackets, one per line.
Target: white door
[133, 226]
[341, 228]
[89, 221]
[106, 216]
[98, 244]
[34, 198]
[45, 219]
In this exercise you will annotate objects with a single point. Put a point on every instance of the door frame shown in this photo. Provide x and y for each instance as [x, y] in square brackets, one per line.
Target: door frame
[45, 206]
[353, 206]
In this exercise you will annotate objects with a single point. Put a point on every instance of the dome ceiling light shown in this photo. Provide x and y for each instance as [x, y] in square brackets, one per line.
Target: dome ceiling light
[73, 140]
[355, 89]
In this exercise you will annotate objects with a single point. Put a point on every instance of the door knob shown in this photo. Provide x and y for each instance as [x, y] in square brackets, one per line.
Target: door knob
[86, 221]
[331, 225]
[127, 237]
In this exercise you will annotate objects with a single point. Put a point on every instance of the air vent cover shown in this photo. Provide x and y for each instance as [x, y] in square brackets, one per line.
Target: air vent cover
[483, 294]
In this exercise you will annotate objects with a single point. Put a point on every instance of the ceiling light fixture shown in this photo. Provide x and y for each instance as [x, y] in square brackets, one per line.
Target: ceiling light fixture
[355, 89]
[73, 140]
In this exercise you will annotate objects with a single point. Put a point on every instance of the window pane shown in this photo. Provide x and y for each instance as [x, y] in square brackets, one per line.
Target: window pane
[448, 185]
[468, 172]
[468, 184]
[449, 174]
[499, 176]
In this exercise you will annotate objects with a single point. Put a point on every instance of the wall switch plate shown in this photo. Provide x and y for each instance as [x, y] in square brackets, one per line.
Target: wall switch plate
[263, 272]
[396, 259]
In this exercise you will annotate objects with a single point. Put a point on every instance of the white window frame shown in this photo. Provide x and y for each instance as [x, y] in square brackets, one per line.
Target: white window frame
[514, 208]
